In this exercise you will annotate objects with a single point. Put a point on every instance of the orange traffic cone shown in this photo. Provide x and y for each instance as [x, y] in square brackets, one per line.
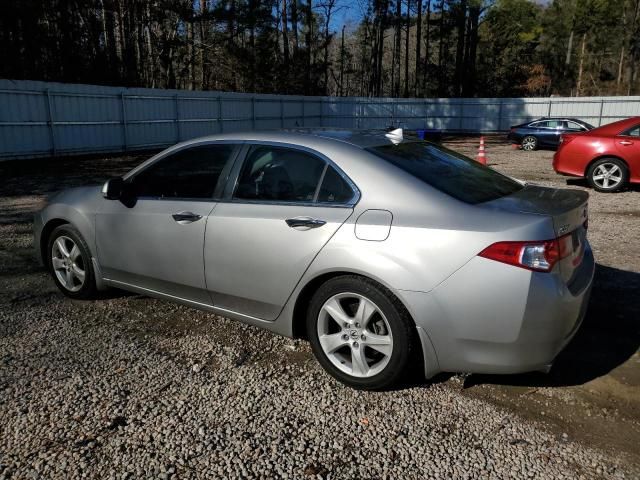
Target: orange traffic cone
[482, 158]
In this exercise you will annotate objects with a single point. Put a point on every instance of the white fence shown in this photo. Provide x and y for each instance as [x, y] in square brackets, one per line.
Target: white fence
[41, 119]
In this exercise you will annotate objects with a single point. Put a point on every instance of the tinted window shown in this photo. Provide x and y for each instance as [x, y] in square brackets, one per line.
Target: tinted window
[552, 124]
[633, 132]
[575, 126]
[279, 174]
[189, 173]
[448, 171]
[334, 188]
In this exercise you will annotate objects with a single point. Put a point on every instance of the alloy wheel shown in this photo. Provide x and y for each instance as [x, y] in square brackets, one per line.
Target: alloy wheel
[355, 335]
[529, 143]
[68, 264]
[607, 175]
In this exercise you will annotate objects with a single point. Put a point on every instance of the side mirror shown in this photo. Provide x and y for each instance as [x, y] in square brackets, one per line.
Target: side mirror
[113, 188]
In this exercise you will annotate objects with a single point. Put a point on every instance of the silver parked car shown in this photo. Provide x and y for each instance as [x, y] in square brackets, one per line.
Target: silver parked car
[385, 253]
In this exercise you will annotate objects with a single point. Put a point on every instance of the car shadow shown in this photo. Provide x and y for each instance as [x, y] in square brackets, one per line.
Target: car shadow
[608, 337]
[581, 182]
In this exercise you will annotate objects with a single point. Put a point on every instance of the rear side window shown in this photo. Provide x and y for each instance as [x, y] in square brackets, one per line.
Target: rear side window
[279, 174]
[448, 171]
[633, 132]
[190, 173]
[552, 124]
[334, 188]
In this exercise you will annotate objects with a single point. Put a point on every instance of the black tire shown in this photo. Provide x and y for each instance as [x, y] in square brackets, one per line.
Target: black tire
[403, 331]
[87, 290]
[529, 143]
[597, 184]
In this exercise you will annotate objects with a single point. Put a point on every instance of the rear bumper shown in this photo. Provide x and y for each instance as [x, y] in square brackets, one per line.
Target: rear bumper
[494, 318]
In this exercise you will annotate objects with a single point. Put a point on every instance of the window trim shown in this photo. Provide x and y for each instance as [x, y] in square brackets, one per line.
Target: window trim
[222, 179]
[234, 177]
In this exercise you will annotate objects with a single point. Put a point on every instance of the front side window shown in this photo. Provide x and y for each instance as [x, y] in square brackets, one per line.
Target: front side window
[448, 171]
[279, 174]
[192, 173]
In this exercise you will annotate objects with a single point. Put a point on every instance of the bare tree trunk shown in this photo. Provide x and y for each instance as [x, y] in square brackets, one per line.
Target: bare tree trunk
[294, 24]
[581, 66]
[308, 37]
[441, 51]
[620, 64]
[395, 86]
[342, 62]
[203, 42]
[567, 60]
[416, 83]
[427, 51]
[462, 23]
[285, 36]
[406, 51]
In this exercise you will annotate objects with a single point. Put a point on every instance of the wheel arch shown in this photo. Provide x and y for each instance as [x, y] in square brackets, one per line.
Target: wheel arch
[47, 229]
[426, 350]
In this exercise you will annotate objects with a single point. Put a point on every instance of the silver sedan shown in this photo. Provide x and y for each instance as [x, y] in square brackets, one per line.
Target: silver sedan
[386, 253]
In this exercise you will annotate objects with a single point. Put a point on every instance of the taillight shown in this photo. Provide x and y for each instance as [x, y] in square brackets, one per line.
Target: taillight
[537, 256]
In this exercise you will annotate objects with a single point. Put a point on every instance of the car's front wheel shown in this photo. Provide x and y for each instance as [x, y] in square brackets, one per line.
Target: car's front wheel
[69, 261]
[360, 332]
[529, 143]
[608, 175]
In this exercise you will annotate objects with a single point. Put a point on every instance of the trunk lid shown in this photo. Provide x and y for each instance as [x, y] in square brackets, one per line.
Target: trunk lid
[568, 211]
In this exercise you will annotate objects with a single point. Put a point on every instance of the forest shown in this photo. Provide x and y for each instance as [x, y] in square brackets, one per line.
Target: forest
[400, 48]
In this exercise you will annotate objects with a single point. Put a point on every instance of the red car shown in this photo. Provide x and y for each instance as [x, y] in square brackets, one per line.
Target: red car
[608, 156]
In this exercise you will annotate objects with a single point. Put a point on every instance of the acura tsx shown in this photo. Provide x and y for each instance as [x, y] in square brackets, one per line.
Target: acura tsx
[386, 253]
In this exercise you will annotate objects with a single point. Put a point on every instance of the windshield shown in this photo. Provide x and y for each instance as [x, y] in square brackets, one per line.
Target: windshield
[448, 171]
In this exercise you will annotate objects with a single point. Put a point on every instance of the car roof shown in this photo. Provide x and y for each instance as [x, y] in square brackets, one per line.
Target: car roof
[542, 119]
[309, 136]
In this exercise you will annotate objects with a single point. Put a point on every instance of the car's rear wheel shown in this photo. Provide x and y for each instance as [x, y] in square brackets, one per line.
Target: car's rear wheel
[360, 332]
[529, 143]
[608, 175]
[69, 261]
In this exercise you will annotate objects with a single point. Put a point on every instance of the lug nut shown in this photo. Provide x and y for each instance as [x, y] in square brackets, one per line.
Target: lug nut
[355, 344]
[357, 325]
[346, 325]
[362, 337]
[345, 337]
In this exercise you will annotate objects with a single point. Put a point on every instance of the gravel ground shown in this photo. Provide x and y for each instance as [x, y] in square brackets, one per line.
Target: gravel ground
[132, 387]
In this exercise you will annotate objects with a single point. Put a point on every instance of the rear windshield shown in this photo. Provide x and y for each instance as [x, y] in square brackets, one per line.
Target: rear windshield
[448, 171]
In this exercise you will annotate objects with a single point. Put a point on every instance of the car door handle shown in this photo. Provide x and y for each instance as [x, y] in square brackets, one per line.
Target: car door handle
[625, 142]
[186, 217]
[304, 222]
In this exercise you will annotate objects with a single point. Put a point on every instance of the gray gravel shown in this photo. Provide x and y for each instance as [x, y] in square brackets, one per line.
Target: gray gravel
[102, 389]
[131, 387]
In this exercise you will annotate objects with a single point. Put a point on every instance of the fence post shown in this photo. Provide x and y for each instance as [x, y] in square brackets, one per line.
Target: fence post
[322, 112]
[304, 112]
[601, 109]
[253, 112]
[220, 122]
[549, 109]
[177, 112]
[125, 140]
[461, 122]
[281, 113]
[500, 116]
[52, 133]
